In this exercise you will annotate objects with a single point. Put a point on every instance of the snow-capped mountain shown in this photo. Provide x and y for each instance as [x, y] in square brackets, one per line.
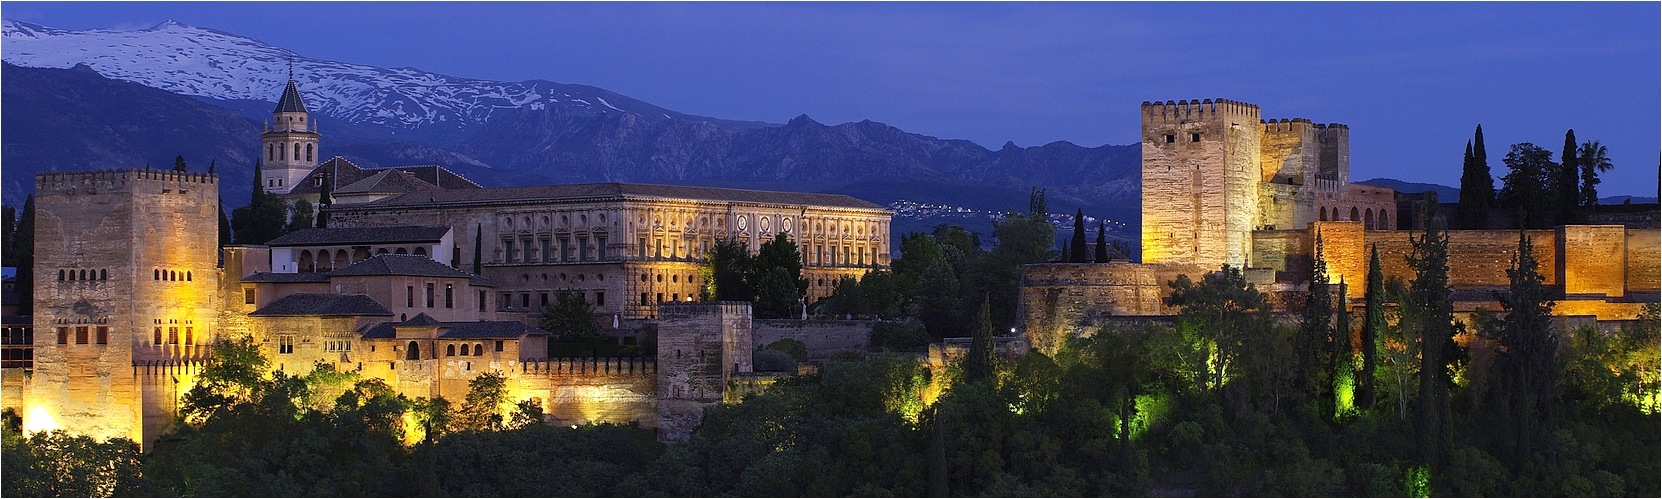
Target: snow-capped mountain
[207, 63]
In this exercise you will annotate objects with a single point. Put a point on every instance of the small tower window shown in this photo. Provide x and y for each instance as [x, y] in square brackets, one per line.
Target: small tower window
[1171, 138]
[1194, 137]
[308, 147]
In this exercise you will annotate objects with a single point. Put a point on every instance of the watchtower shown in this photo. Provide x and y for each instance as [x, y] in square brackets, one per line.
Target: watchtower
[126, 278]
[1201, 174]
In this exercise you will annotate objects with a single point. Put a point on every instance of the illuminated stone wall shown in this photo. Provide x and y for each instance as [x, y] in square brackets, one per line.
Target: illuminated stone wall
[1200, 177]
[1344, 251]
[1594, 259]
[1642, 259]
[580, 391]
[1062, 300]
[129, 248]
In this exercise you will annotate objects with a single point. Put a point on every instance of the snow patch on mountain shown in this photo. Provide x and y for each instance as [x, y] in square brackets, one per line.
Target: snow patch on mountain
[203, 62]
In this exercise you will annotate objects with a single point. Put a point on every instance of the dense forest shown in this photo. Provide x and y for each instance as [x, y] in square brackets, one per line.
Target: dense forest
[1228, 399]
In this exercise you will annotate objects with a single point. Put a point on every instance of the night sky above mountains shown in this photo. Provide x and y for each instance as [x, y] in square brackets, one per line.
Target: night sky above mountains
[1411, 79]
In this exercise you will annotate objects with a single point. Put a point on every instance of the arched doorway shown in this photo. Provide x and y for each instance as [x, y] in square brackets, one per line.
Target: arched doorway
[413, 352]
[1367, 219]
[1354, 215]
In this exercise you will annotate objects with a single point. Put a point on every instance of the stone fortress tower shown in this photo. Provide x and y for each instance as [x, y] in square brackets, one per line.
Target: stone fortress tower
[126, 297]
[289, 144]
[1201, 171]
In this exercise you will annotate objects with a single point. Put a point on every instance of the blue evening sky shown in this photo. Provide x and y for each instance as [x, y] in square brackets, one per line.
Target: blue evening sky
[1411, 79]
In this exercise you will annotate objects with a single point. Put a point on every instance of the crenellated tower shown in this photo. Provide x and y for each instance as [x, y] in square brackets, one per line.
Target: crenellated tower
[1201, 172]
[289, 144]
[126, 284]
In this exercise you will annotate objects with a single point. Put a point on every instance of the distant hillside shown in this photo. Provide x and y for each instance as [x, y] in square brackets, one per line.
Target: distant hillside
[1445, 193]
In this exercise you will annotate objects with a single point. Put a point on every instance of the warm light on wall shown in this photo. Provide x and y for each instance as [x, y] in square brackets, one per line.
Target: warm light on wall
[39, 420]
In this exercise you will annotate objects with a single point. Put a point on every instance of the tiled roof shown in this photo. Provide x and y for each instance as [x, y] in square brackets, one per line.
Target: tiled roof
[620, 190]
[286, 277]
[389, 181]
[335, 236]
[408, 265]
[290, 103]
[323, 304]
[460, 330]
[421, 319]
[342, 174]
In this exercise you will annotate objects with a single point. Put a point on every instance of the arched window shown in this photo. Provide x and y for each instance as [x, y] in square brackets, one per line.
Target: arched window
[421, 251]
[478, 349]
[1354, 215]
[1324, 214]
[103, 274]
[297, 151]
[306, 261]
[281, 151]
[187, 275]
[71, 275]
[450, 350]
[171, 275]
[83, 275]
[308, 152]
[413, 352]
[1367, 219]
[1384, 220]
[155, 275]
[401, 252]
[340, 259]
[60, 274]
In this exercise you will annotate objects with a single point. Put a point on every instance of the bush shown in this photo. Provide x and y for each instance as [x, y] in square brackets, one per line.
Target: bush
[770, 360]
[900, 336]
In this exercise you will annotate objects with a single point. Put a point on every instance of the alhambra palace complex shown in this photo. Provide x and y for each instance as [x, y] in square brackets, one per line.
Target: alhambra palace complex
[131, 289]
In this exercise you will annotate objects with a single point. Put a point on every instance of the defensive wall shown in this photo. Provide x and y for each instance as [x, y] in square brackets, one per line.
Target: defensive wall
[822, 338]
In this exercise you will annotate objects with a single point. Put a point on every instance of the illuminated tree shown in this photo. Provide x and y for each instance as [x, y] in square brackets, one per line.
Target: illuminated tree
[729, 269]
[482, 410]
[1373, 325]
[1315, 327]
[1527, 362]
[1223, 314]
[1433, 320]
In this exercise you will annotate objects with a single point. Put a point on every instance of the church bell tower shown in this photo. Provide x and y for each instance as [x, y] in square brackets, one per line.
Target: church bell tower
[289, 144]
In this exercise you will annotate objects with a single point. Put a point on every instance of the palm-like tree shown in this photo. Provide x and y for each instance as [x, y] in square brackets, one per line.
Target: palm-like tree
[1593, 160]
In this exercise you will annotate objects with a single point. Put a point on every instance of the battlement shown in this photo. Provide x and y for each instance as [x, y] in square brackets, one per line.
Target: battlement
[689, 310]
[119, 179]
[1175, 111]
[1287, 125]
[170, 367]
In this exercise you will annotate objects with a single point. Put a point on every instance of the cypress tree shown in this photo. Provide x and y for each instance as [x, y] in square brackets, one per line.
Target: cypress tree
[224, 226]
[1433, 319]
[979, 364]
[1344, 360]
[1101, 243]
[1477, 186]
[211, 164]
[1566, 184]
[1373, 327]
[23, 241]
[1316, 325]
[325, 199]
[1527, 362]
[1076, 247]
[179, 163]
[478, 247]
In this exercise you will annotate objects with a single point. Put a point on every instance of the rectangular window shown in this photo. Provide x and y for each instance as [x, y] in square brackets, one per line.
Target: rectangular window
[583, 249]
[158, 339]
[643, 300]
[248, 296]
[544, 298]
[546, 251]
[660, 297]
[599, 298]
[429, 295]
[481, 300]
[103, 337]
[1194, 137]
[190, 335]
[409, 296]
[659, 245]
[507, 300]
[565, 249]
[509, 252]
[173, 335]
[525, 300]
[1170, 138]
[640, 245]
[600, 247]
[80, 335]
[449, 296]
[285, 343]
[63, 332]
[498, 345]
